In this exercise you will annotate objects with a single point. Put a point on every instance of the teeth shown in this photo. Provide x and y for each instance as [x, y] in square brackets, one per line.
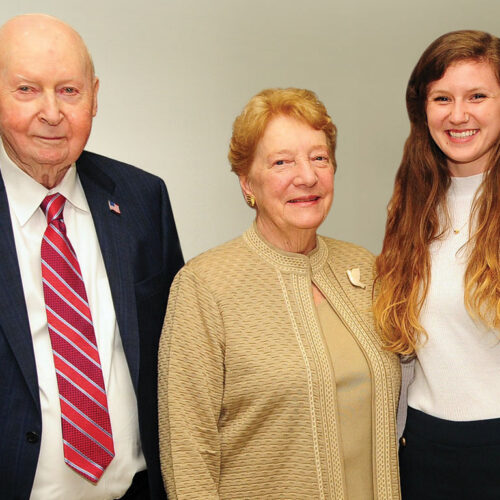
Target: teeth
[461, 135]
[304, 199]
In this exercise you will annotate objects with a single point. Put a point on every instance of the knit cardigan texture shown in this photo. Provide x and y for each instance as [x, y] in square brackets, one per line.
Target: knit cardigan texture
[247, 397]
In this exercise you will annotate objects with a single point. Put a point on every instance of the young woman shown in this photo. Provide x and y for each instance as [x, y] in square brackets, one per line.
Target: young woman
[439, 289]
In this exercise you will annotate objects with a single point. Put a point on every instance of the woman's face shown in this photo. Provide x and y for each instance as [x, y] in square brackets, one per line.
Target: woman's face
[291, 178]
[463, 115]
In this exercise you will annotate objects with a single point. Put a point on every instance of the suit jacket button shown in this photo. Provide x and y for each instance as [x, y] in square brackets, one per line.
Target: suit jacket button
[402, 441]
[32, 437]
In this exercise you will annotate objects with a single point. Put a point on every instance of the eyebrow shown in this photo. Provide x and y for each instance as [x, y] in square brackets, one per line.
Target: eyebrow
[20, 76]
[473, 89]
[288, 151]
[34, 79]
[280, 152]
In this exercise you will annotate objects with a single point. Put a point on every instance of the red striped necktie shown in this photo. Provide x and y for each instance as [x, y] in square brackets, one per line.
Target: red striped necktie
[86, 428]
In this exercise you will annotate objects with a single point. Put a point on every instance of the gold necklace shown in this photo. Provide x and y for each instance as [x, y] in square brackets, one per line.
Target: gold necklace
[457, 231]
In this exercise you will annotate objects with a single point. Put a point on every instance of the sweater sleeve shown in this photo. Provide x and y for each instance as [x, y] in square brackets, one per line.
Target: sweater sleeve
[190, 390]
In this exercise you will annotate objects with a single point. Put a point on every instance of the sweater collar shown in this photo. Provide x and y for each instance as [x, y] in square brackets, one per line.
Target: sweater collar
[287, 261]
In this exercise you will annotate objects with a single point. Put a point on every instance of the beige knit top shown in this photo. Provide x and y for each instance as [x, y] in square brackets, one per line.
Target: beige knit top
[247, 398]
[353, 385]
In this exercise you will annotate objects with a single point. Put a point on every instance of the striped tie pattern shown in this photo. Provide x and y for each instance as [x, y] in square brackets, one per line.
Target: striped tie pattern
[86, 428]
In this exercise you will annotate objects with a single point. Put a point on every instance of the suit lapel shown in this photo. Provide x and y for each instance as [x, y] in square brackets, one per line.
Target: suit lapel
[14, 318]
[112, 233]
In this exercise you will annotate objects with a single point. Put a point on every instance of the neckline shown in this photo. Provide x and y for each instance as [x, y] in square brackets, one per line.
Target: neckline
[287, 261]
[465, 186]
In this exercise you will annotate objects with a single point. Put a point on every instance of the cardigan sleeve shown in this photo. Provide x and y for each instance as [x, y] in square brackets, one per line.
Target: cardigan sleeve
[190, 390]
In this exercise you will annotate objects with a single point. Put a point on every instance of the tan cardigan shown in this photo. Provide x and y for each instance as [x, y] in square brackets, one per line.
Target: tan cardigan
[247, 405]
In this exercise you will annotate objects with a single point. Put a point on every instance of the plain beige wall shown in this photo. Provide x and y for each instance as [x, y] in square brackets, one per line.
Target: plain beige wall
[175, 73]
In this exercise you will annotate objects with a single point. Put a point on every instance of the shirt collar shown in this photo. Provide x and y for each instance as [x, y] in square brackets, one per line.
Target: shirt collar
[25, 194]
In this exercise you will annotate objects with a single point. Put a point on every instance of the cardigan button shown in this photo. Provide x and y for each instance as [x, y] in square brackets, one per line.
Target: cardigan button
[402, 441]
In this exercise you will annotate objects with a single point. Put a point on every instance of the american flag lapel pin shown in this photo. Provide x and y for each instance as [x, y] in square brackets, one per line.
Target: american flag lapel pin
[114, 207]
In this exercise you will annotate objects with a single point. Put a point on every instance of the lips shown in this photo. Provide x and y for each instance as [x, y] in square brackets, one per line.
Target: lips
[49, 141]
[304, 199]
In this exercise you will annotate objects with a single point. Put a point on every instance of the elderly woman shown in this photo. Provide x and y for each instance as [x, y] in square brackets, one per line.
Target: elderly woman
[273, 383]
[439, 271]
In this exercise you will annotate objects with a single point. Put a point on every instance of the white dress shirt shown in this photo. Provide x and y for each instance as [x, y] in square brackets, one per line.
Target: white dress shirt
[54, 479]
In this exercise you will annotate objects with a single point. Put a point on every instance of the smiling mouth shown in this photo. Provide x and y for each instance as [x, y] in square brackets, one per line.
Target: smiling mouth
[462, 134]
[50, 138]
[305, 199]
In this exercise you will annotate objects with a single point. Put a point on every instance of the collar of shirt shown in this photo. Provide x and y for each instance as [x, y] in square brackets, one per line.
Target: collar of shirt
[26, 194]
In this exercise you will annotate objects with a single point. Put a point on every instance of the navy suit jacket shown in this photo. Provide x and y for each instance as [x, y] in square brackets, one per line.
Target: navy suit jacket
[142, 254]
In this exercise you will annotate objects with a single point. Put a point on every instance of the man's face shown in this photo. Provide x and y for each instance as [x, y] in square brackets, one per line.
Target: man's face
[48, 97]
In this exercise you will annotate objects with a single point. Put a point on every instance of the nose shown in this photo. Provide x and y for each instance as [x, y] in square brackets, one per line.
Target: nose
[458, 113]
[50, 111]
[305, 173]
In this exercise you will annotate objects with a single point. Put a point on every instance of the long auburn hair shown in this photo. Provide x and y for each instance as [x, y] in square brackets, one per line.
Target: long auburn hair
[413, 222]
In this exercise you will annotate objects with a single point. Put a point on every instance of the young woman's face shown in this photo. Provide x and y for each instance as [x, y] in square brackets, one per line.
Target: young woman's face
[463, 115]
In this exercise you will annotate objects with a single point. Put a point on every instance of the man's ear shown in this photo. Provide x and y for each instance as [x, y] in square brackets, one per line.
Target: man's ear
[96, 91]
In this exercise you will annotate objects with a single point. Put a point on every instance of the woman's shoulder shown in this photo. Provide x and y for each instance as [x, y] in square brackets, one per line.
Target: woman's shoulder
[218, 260]
[345, 250]
[354, 267]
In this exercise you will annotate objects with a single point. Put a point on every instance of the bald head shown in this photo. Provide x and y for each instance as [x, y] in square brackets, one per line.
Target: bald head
[45, 30]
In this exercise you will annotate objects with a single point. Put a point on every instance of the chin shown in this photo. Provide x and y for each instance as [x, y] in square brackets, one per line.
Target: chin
[307, 224]
[53, 159]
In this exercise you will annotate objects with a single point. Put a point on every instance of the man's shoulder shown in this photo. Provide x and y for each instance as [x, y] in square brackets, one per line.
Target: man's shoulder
[95, 164]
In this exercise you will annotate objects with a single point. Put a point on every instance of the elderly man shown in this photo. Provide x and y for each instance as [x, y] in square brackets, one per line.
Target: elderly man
[88, 251]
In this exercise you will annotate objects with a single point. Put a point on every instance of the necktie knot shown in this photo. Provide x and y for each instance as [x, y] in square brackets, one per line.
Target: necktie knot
[53, 206]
